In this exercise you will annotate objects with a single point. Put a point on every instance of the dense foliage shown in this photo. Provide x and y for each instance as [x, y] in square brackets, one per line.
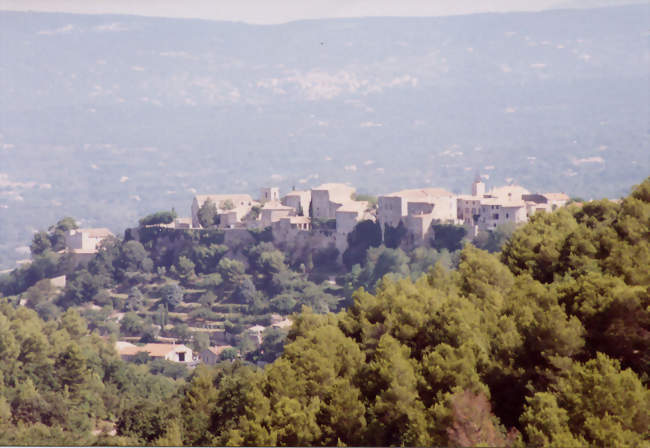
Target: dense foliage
[164, 217]
[61, 384]
[543, 343]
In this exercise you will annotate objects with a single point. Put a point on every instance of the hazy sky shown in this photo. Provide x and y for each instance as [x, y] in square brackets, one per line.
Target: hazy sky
[279, 11]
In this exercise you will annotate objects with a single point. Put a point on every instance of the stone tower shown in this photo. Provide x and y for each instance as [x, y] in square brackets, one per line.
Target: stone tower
[270, 194]
[478, 187]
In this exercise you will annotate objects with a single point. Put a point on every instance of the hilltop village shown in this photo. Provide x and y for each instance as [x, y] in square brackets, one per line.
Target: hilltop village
[302, 225]
[334, 209]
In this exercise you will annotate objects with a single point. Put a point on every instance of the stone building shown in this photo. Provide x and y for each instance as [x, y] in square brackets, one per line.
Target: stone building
[349, 214]
[273, 211]
[327, 198]
[416, 209]
[501, 205]
[299, 200]
[170, 352]
[212, 355]
[269, 194]
[86, 240]
[231, 208]
[83, 244]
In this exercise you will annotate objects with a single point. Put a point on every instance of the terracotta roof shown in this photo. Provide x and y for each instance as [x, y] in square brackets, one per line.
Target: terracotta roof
[154, 350]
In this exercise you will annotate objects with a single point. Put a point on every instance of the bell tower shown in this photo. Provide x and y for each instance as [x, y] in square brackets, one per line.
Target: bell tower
[478, 187]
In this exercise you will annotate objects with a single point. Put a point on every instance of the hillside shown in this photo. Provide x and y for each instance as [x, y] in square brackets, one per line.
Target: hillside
[542, 344]
[94, 109]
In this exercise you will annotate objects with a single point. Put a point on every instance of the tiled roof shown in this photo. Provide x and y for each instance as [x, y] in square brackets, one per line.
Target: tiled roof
[154, 350]
[420, 194]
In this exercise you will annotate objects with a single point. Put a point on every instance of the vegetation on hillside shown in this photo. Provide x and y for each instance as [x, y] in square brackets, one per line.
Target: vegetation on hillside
[543, 343]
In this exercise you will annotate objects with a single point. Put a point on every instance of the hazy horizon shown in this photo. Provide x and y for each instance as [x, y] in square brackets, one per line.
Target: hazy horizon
[284, 11]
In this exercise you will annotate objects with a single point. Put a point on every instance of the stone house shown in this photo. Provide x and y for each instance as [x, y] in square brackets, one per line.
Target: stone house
[86, 240]
[416, 209]
[327, 198]
[231, 208]
[212, 355]
[169, 352]
[269, 194]
[83, 244]
[495, 212]
[255, 334]
[295, 223]
[273, 211]
[299, 200]
[546, 202]
[349, 214]
[507, 204]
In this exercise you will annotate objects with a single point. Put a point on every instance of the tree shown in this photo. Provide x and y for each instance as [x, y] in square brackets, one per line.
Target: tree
[393, 236]
[135, 301]
[226, 204]
[131, 324]
[171, 295]
[448, 236]
[132, 256]
[272, 344]
[40, 243]
[163, 217]
[207, 214]
[364, 235]
[185, 268]
[473, 422]
[200, 341]
[229, 354]
[596, 402]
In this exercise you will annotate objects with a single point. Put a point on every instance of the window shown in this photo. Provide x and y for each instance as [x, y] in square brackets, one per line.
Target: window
[507, 215]
[181, 357]
[495, 216]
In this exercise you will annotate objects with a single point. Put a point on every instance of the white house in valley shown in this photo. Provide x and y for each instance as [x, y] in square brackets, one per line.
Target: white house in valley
[170, 352]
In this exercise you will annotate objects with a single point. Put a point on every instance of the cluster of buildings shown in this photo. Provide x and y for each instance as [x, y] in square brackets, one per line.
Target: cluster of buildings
[332, 209]
[415, 209]
[180, 353]
[509, 204]
[296, 210]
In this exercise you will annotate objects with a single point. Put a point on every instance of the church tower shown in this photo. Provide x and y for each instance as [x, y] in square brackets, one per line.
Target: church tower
[478, 187]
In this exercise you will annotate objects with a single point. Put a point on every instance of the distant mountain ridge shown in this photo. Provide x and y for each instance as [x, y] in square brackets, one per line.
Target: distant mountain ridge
[108, 118]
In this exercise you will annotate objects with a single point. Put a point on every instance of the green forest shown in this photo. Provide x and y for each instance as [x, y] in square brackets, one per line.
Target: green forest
[542, 340]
